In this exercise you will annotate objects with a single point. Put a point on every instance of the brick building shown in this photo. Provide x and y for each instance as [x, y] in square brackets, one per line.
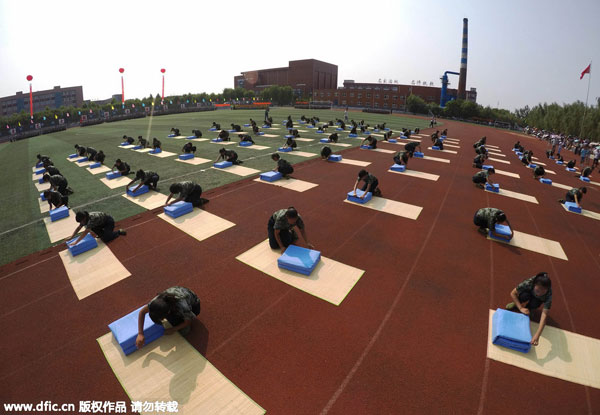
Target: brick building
[304, 76]
[383, 96]
[53, 98]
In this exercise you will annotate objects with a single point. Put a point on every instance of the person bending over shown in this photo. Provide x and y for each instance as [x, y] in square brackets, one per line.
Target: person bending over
[439, 143]
[531, 295]
[290, 143]
[175, 132]
[411, 147]
[121, 167]
[325, 152]
[156, 144]
[538, 172]
[371, 184]
[224, 135]
[585, 173]
[487, 218]
[228, 155]
[479, 160]
[401, 158]
[482, 177]
[188, 148]
[370, 141]
[283, 166]
[216, 126]
[187, 191]
[100, 157]
[280, 229]
[55, 199]
[42, 158]
[98, 224]
[574, 195]
[236, 128]
[333, 138]
[142, 141]
[197, 133]
[246, 137]
[178, 305]
[59, 183]
[50, 169]
[480, 142]
[148, 178]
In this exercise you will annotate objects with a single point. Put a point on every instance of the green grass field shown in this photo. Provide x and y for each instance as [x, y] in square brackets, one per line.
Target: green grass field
[21, 227]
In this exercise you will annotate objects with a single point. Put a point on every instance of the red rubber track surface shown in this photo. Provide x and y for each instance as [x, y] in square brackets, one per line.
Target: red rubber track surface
[410, 337]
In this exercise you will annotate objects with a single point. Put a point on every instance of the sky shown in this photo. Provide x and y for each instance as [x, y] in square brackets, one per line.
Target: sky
[520, 52]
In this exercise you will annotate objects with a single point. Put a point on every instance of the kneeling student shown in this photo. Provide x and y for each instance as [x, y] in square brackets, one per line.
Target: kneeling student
[575, 195]
[371, 184]
[280, 229]
[187, 191]
[188, 148]
[228, 155]
[482, 177]
[283, 166]
[538, 172]
[411, 147]
[224, 135]
[55, 199]
[479, 160]
[371, 141]
[148, 178]
[121, 167]
[531, 295]
[178, 305]
[585, 173]
[99, 224]
[401, 158]
[487, 218]
[290, 143]
[325, 153]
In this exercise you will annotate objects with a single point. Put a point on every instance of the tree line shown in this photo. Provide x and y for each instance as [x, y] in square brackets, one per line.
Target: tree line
[566, 118]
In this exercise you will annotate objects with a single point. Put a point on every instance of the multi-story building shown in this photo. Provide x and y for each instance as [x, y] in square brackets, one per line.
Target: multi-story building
[52, 98]
[303, 76]
[382, 96]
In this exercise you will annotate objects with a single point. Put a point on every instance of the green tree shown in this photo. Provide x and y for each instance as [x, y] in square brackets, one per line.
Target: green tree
[416, 105]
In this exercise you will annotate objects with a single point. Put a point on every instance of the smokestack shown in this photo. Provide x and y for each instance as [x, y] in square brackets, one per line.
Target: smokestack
[462, 79]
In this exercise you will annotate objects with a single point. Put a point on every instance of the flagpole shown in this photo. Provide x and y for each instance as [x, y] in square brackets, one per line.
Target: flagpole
[586, 100]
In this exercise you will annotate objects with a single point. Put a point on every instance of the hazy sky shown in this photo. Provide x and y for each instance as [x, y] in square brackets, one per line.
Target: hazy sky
[520, 52]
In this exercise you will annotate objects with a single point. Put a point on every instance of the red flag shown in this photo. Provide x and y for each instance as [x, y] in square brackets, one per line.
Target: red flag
[586, 70]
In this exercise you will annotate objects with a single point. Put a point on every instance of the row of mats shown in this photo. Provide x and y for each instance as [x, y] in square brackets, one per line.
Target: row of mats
[330, 281]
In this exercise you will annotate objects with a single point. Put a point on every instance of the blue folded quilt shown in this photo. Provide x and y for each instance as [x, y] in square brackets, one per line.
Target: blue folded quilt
[511, 330]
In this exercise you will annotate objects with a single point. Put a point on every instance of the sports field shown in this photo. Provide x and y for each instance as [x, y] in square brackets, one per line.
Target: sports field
[21, 225]
[402, 329]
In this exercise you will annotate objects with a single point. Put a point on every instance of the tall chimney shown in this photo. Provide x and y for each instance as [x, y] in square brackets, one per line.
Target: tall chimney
[462, 79]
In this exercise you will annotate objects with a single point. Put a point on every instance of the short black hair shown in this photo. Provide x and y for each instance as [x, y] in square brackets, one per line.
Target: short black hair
[81, 216]
[46, 177]
[500, 216]
[275, 156]
[118, 161]
[491, 170]
[583, 189]
[542, 279]
[139, 174]
[291, 212]
[175, 188]
[362, 173]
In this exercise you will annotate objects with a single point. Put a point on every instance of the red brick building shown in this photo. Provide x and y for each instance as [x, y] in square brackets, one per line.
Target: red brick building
[304, 76]
[383, 96]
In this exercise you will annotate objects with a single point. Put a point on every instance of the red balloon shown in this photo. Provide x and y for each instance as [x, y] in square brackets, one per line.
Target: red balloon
[121, 70]
[29, 77]
[163, 70]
